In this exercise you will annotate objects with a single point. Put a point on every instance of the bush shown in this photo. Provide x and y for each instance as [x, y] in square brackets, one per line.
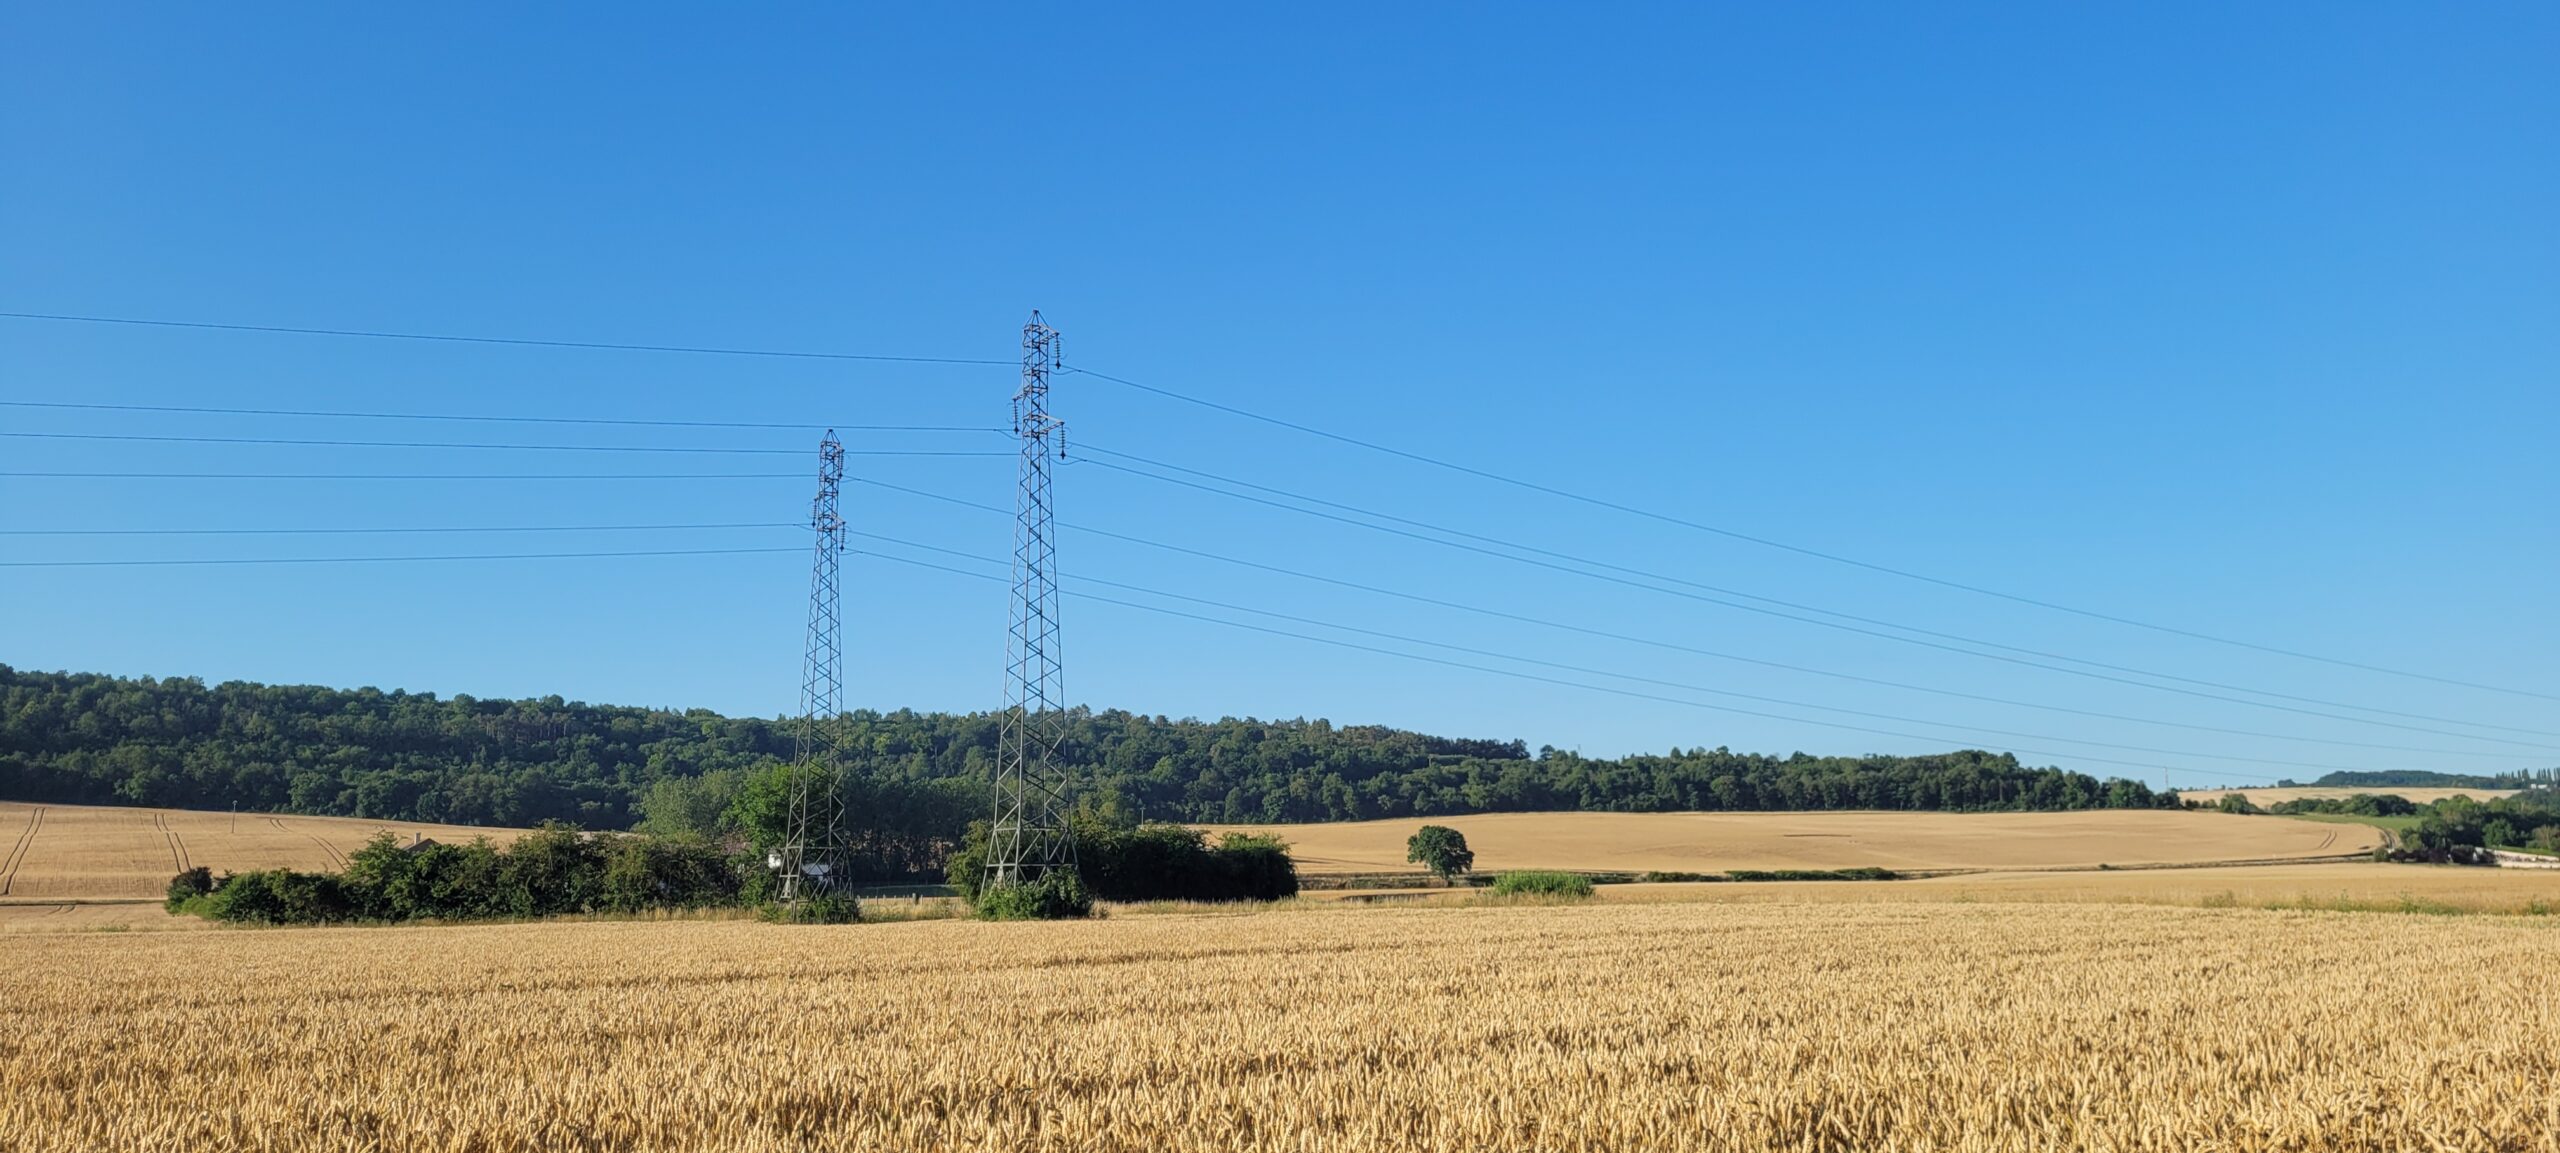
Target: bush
[188, 886]
[279, 897]
[1541, 882]
[1256, 868]
[551, 871]
[1866, 873]
[816, 909]
[1164, 862]
[1057, 896]
[665, 873]
[1158, 862]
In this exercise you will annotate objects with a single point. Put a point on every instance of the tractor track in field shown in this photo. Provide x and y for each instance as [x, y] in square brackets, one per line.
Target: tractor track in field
[18, 852]
[177, 846]
[334, 857]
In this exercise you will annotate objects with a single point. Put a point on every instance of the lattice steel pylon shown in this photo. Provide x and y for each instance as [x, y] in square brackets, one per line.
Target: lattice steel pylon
[1030, 837]
[811, 857]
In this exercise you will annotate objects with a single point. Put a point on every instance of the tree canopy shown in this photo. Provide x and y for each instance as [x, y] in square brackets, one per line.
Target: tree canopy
[1441, 849]
[183, 743]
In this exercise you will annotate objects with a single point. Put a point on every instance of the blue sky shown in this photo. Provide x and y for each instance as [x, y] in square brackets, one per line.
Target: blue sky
[2237, 321]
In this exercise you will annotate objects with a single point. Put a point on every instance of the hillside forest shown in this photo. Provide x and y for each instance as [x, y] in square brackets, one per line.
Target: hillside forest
[179, 742]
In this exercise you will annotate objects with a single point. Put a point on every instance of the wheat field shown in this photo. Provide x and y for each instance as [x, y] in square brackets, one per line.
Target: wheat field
[2347, 885]
[1596, 1027]
[1708, 842]
[75, 851]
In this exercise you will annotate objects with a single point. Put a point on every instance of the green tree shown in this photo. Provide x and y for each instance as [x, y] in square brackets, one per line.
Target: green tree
[690, 806]
[1441, 849]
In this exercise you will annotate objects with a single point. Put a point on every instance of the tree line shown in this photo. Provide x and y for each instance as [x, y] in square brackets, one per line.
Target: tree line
[2429, 779]
[183, 743]
[559, 869]
[2443, 829]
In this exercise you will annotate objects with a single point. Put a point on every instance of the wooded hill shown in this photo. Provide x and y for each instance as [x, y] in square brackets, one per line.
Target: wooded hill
[77, 737]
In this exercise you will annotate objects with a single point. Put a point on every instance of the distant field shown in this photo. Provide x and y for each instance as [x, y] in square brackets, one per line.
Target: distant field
[2329, 885]
[92, 851]
[2271, 796]
[1713, 842]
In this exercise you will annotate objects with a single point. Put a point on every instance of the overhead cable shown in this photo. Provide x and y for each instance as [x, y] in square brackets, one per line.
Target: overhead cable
[1885, 624]
[1672, 646]
[373, 334]
[199, 410]
[1560, 681]
[1818, 554]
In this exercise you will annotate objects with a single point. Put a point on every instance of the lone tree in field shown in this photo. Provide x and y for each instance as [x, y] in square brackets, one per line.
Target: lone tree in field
[1441, 849]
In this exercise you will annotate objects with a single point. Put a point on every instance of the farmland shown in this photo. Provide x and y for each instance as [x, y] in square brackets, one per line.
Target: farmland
[84, 851]
[79, 851]
[1703, 842]
[1656, 1026]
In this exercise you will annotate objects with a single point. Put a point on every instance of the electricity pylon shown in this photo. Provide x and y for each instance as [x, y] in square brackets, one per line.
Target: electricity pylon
[811, 856]
[1029, 837]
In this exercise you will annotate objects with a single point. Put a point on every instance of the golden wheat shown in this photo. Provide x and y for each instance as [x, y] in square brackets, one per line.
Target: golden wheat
[1601, 1027]
[1713, 842]
[77, 851]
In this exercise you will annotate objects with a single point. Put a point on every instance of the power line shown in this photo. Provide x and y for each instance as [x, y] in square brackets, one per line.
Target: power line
[1312, 430]
[453, 339]
[1589, 671]
[1818, 554]
[1567, 683]
[384, 559]
[595, 420]
[1674, 646]
[404, 476]
[264, 440]
[1602, 576]
[373, 531]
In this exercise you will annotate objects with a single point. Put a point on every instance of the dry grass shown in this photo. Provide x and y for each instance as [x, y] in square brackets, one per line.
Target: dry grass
[1713, 842]
[92, 851]
[2269, 796]
[1600, 1027]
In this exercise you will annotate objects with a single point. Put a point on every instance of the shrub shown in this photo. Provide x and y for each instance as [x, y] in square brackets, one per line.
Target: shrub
[1257, 868]
[1057, 896]
[1158, 862]
[1541, 882]
[279, 897]
[816, 909]
[553, 869]
[188, 886]
[1864, 873]
[664, 873]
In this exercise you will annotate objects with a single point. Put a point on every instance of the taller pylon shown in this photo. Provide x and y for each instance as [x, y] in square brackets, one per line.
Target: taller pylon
[1029, 836]
[813, 839]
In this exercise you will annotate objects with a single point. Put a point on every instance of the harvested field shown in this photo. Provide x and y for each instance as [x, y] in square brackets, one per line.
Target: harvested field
[1713, 842]
[2264, 797]
[95, 851]
[1600, 1027]
[2335, 885]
